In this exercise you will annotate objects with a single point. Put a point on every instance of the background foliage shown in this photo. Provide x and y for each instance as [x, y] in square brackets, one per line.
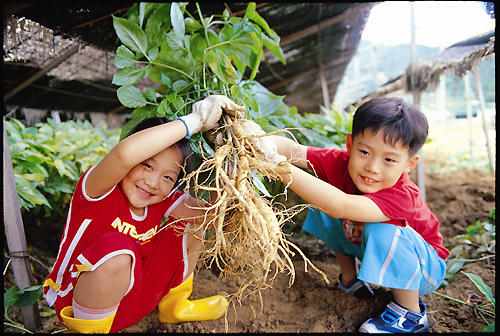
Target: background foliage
[48, 159]
[192, 59]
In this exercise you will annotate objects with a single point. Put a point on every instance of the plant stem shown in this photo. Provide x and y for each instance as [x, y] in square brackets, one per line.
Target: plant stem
[171, 68]
[203, 23]
[450, 298]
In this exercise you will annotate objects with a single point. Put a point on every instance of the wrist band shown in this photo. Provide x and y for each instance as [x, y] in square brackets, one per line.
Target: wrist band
[188, 136]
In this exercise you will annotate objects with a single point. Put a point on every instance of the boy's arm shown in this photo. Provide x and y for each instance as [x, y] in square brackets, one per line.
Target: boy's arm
[142, 145]
[331, 200]
[290, 149]
[192, 209]
[129, 152]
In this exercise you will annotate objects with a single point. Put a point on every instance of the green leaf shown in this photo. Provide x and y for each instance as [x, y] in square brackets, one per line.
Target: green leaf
[158, 25]
[124, 57]
[214, 63]
[150, 94]
[66, 150]
[485, 289]
[28, 191]
[128, 127]
[61, 168]
[153, 53]
[17, 147]
[254, 16]
[453, 266]
[490, 328]
[192, 26]
[35, 177]
[145, 9]
[163, 109]
[129, 76]
[225, 62]
[10, 297]
[177, 20]
[28, 296]
[175, 100]
[174, 41]
[143, 112]
[198, 44]
[274, 47]
[165, 80]
[130, 96]
[179, 85]
[62, 187]
[130, 34]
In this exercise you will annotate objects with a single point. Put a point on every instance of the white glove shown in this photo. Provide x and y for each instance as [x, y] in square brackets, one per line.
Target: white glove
[208, 111]
[263, 145]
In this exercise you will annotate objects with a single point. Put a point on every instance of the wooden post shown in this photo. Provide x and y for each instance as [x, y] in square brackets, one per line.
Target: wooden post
[324, 85]
[480, 96]
[374, 66]
[469, 112]
[16, 239]
[416, 97]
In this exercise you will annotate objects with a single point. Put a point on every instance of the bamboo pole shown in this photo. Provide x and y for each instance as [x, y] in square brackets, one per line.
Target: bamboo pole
[16, 239]
[469, 112]
[416, 97]
[480, 95]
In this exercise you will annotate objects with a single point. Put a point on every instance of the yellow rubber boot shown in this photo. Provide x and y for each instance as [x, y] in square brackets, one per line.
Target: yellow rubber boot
[100, 326]
[176, 308]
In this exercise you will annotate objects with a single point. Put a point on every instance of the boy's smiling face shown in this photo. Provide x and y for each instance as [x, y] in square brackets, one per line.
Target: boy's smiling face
[375, 165]
[152, 180]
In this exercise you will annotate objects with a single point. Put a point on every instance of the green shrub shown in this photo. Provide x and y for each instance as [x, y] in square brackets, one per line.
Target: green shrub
[192, 59]
[49, 158]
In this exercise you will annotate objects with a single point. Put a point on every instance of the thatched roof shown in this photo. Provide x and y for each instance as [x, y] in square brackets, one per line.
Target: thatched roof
[458, 59]
[38, 34]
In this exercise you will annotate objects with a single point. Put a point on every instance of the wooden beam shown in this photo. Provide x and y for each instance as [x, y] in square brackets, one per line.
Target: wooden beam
[73, 50]
[101, 18]
[326, 23]
[305, 73]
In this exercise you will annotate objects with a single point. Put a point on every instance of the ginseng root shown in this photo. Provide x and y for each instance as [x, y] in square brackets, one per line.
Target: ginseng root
[243, 231]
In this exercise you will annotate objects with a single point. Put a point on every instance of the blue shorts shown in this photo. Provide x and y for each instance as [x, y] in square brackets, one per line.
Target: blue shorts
[391, 256]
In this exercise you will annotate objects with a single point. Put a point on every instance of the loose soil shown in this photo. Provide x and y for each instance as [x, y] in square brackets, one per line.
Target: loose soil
[458, 199]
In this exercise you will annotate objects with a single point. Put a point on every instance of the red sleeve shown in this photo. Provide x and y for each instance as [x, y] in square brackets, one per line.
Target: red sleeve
[172, 201]
[331, 165]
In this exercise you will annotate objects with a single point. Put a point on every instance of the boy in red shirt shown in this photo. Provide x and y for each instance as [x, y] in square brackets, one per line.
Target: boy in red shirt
[370, 209]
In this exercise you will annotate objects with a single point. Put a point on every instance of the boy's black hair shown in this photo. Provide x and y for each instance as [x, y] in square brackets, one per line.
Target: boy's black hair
[400, 121]
[182, 145]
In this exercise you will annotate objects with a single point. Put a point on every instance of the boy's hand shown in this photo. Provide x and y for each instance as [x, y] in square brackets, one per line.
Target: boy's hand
[263, 145]
[208, 111]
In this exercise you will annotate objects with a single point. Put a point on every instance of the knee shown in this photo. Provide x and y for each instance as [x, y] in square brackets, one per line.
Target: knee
[193, 243]
[377, 229]
[116, 266]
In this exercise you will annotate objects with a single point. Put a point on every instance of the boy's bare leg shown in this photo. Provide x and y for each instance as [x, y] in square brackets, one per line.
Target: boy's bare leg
[193, 249]
[106, 286]
[347, 265]
[407, 299]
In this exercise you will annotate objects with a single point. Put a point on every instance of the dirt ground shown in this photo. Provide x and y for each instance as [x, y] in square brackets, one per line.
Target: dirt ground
[457, 198]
